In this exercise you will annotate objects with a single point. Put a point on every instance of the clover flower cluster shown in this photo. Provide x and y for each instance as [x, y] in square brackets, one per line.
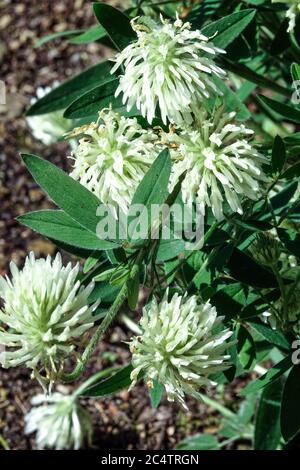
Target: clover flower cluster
[45, 311]
[112, 157]
[219, 161]
[180, 346]
[59, 421]
[169, 71]
[169, 65]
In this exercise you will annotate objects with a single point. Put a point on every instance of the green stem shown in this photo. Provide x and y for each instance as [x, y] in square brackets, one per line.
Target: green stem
[105, 324]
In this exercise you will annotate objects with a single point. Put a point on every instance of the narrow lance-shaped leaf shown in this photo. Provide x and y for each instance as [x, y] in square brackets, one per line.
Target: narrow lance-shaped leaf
[278, 154]
[116, 24]
[114, 384]
[60, 226]
[267, 425]
[224, 31]
[63, 95]
[290, 411]
[77, 201]
[153, 189]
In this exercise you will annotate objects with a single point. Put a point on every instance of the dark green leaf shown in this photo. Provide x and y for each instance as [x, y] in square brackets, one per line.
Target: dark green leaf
[156, 393]
[133, 285]
[287, 112]
[246, 270]
[153, 189]
[292, 172]
[278, 154]
[273, 374]
[114, 384]
[59, 226]
[94, 100]
[116, 24]
[267, 425]
[77, 201]
[246, 348]
[290, 411]
[63, 95]
[275, 337]
[227, 29]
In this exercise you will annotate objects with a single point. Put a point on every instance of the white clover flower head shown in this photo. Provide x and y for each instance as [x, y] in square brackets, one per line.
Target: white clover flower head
[49, 127]
[219, 160]
[291, 13]
[45, 312]
[113, 157]
[179, 346]
[170, 66]
[59, 421]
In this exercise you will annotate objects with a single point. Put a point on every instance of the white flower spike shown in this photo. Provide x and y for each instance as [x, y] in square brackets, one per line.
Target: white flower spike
[170, 66]
[45, 312]
[219, 160]
[178, 346]
[113, 157]
[59, 422]
[48, 128]
[292, 12]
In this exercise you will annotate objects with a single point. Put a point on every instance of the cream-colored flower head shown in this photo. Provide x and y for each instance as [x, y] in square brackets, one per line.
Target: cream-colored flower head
[292, 12]
[219, 160]
[170, 66]
[59, 422]
[179, 346]
[113, 157]
[49, 127]
[45, 311]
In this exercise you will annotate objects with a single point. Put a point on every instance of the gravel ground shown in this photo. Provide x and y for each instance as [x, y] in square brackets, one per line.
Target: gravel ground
[125, 421]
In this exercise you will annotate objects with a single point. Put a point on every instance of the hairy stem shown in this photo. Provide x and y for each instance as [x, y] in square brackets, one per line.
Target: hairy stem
[105, 324]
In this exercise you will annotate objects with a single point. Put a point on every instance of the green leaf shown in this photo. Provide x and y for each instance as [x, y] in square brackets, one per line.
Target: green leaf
[156, 393]
[199, 442]
[273, 374]
[104, 291]
[267, 425]
[231, 100]
[93, 34]
[63, 95]
[246, 348]
[169, 249]
[116, 24]
[224, 31]
[274, 337]
[94, 100]
[60, 34]
[295, 71]
[246, 270]
[292, 172]
[290, 411]
[77, 201]
[114, 384]
[278, 154]
[133, 286]
[60, 226]
[90, 262]
[153, 189]
[287, 112]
